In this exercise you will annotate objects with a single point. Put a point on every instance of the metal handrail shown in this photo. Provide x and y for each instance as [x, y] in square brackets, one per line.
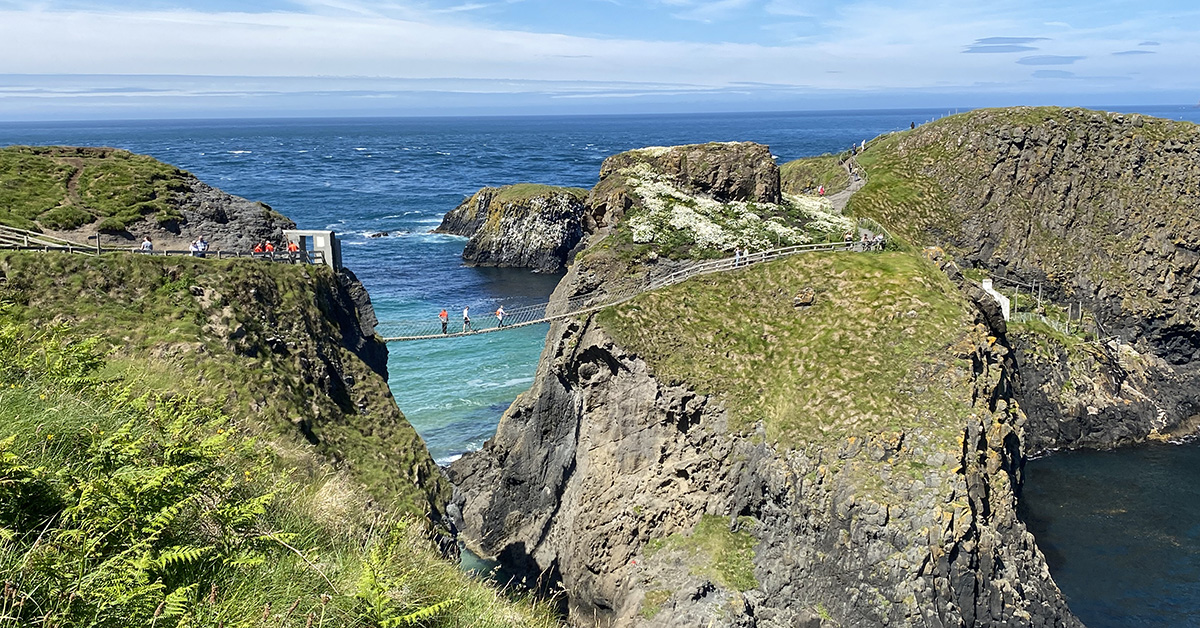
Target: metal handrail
[407, 330]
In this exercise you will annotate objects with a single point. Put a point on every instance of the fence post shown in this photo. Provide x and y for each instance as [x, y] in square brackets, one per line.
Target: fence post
[97, 243]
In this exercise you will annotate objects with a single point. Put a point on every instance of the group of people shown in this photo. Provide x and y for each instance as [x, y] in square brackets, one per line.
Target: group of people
[198, 247]
[741, 256]
[266, 246]
[868, 242]
[444, 318]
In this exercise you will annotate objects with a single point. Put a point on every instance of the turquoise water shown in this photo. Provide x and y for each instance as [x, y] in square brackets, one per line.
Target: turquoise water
[359, 176]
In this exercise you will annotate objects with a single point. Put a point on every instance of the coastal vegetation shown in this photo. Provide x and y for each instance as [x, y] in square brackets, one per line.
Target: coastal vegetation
[807, 175]
[65, 188]
[858, 360]
[271, 344]
[120, 506]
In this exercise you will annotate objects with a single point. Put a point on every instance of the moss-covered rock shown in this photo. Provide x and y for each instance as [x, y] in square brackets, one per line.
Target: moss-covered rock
[78, 191]
[1101, 210]
[279, 346]
[524, 226]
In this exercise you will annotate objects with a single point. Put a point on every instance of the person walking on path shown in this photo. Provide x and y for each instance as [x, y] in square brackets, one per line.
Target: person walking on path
[500, 316]
[466, 319]
[147, 245]
[445, 318]
[820, 190]
[737, 256]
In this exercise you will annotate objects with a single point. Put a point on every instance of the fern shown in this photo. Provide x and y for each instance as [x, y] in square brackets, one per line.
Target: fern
[183, 555]
[177, 602]
[418, 616]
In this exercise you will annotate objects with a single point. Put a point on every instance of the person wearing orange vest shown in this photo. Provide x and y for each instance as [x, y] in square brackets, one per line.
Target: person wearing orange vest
[270, 248]
[258, 248]
[445, 318]
[293, 247]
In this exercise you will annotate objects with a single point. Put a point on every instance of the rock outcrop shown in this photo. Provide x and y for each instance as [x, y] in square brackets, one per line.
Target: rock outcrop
[228, 222]
[845, 504]
[1102, 211]
[724, 172]
[75, 192]
[520, 226]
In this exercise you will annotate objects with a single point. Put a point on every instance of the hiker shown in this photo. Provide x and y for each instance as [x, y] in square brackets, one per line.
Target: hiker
[863, 146]
[201, 246]
[269, 248]
[194, 248]
[879, 242]
[445, 318]
[466, 319]
[848, 237]
[912, 125]
[500, 316]
[147, 245]
[258, 247]
[820, 190]
[737, 257]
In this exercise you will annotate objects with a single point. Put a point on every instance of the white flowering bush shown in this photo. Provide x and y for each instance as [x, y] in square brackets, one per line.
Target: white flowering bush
[673, 220]
[818, 216]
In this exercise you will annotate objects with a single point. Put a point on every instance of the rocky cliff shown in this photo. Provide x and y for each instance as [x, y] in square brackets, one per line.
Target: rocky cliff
[288, 350]
[75, 192]
[714, 454]
[1102, 211]
[522, 226]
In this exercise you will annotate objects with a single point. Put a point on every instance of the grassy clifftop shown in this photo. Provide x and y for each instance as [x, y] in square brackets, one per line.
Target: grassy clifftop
[1090, 200]
[867, 356]
[63, 188]
[273, 344]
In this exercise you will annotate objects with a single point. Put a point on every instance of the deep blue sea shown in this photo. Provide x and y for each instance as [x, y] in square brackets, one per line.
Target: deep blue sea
[360, 176]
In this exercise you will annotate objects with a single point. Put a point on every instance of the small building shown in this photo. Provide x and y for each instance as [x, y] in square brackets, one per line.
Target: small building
[323, 245]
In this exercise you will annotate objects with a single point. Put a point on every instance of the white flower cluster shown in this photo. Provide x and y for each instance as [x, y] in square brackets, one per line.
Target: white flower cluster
[700, 220]
[818, 215]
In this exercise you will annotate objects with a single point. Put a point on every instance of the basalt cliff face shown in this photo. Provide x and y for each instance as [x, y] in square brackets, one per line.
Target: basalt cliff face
[521, 226]
[721, 453]
[1102, 211]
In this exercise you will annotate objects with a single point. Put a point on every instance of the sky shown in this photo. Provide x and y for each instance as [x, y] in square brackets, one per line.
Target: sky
[97, 59]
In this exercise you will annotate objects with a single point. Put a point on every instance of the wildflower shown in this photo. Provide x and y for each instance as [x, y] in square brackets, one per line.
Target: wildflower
[49, 436]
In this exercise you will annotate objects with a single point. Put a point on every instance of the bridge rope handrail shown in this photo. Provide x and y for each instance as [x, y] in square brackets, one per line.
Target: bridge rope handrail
[14, 239]
[427, 329]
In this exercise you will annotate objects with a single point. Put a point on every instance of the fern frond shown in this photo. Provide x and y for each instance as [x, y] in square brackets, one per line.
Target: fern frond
[419, 615]
[182, 555]
[177, 601]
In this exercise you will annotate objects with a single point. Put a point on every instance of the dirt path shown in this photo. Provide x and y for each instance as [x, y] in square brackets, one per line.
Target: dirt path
[858, 179]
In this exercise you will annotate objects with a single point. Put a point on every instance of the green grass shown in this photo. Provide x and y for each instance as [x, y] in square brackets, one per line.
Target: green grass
[120, 510]
[805, 175]
[519, 192]
[869, 356]
[65, 188]
[715, 552]
[932, 185]
[248, 343]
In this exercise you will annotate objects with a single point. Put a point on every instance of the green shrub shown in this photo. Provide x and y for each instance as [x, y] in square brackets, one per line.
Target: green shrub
[66, 217]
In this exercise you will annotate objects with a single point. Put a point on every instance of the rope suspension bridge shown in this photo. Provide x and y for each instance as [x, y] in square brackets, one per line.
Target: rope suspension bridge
[430, 329]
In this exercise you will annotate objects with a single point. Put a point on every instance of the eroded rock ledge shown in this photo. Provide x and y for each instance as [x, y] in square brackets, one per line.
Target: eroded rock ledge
[521, 226]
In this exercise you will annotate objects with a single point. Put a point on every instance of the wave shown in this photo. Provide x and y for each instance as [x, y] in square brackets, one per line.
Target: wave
[239, 152]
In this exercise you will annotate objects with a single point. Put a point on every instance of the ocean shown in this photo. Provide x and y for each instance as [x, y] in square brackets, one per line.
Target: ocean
[400, 175]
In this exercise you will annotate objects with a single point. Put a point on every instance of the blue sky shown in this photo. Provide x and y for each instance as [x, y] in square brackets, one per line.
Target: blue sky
[172, 58]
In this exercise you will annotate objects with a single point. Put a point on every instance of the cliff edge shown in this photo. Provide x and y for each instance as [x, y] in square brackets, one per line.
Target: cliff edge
[521, 226]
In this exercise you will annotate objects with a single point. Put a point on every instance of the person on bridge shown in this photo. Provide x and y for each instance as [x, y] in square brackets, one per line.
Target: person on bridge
[500, 316]
[466, 319]
[445, 318]
[258, 248]
[270, 248]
